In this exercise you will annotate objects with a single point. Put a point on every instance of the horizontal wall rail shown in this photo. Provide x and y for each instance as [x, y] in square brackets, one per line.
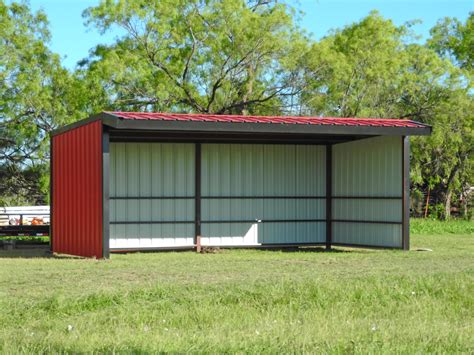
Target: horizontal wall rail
[151, 222]
[262, 197]
[361, 221]
[368, 197]
[152, 198]
[224, 221]
[265, 221]
[215, 197]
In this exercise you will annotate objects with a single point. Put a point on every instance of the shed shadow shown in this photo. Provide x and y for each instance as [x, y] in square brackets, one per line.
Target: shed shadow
[40, 251]
[297, 249]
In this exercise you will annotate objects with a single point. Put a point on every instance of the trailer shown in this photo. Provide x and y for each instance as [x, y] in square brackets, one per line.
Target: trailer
[24, 221]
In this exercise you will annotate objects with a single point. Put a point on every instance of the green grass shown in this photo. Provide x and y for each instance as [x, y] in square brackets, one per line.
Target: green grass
[27, 239]
[244, 301]
[432, 226]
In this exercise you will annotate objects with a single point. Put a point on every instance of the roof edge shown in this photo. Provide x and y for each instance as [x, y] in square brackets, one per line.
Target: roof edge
[116, 122]
[244, 127]
[105, 117]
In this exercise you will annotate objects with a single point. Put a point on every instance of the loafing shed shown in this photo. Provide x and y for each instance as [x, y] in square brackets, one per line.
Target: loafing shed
[124, 181]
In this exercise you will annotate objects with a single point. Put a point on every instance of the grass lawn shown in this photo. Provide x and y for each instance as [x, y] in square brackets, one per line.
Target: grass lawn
[348, 300]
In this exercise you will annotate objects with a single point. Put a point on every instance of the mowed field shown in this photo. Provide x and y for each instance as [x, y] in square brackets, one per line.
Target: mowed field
[344, 301]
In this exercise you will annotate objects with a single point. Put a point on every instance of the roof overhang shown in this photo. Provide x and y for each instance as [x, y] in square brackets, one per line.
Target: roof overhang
[123, 128]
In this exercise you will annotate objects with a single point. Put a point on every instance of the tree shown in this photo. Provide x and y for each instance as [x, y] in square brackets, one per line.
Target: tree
[36, 95]
[227, 56]
[236, 56]
[371, 69]
[455, 40]
[452, 39]
[355, 71]
[443, 162]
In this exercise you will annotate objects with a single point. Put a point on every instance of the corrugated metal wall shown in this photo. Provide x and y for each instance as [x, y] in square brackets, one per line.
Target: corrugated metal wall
[151, 195]
[368, 168]
[77, 191]
[253, 194]
[245, 183]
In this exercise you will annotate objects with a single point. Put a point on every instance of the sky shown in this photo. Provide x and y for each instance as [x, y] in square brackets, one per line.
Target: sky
[72, 40]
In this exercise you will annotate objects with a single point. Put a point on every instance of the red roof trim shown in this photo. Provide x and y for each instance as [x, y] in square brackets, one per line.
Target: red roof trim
[334, 121]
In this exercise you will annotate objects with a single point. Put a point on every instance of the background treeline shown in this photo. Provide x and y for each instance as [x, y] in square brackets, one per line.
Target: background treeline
[246, 57]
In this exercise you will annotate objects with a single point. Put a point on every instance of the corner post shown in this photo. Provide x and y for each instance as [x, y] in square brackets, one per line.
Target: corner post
[406, 192]
[51, 193]
[105, 193]
[328, 196]
[197, 195]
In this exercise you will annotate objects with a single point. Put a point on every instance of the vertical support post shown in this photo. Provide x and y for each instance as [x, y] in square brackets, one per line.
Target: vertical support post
[198, 244]
[197, 194]
[406, 192]
[51, 193]
[328, 196]
[105, 193]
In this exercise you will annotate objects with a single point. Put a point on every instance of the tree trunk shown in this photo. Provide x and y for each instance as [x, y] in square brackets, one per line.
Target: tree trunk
[427, 203]
[447, 204]
[448, 192]
[465, 203]
[249, 87]
[464, 208]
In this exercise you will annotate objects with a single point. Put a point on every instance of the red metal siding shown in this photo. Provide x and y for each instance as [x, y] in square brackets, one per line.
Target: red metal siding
[77, 191]
[332, 121]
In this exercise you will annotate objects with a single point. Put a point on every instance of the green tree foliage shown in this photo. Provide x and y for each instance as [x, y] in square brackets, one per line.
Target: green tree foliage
[443, 162]
[36, 95]
[218, 56]
[454, 39]
[352, 70]
[237, 56]
[372, 69]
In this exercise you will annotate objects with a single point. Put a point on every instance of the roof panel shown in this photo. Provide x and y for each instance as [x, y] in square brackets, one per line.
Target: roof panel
[334, 121]
[239, 124]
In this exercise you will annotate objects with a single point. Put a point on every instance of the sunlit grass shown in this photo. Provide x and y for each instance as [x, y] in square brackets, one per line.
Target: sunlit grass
[244, 301]
[432, 226]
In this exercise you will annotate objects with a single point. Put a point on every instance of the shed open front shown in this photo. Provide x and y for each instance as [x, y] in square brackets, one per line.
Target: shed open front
[245, 181]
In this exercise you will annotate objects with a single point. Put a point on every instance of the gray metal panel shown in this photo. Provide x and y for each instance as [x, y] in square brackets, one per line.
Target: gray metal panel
[290, 232]
[310, 170]
[262, 209]
[365, 234]
[143, 210]
[262, 170]
[259, 170]
[231, 209]
[151, 236]
[245, 234]
[232, 170]
[368, 167]
[147, 170]
[279, 170]
[367, 210]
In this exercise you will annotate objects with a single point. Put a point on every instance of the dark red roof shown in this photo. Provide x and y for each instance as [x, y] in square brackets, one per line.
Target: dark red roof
[334, 121]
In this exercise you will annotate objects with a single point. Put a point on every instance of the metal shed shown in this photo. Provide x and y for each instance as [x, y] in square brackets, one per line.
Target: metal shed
[124, 181]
